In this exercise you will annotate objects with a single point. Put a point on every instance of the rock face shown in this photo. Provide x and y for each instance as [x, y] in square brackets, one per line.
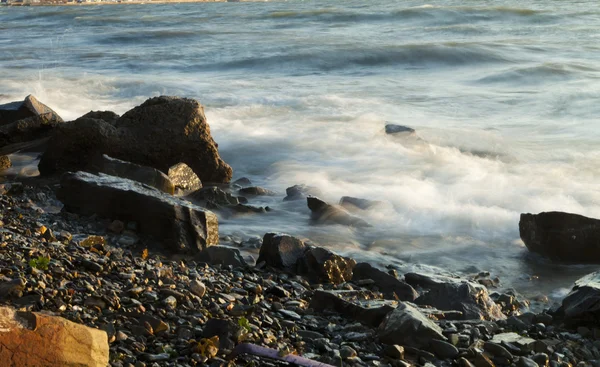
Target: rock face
[184, 178]
[446, 294]
[146, 175]
[29, 107]
[178, 224]
[26, 121]
[406, 325]
[37, 340]
[291, 254]
[562, 236]
[582, 304]
[390, 286]
[330, 214]
[161, 132]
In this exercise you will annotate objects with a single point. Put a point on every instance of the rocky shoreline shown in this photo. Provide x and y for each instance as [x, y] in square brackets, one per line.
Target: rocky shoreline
[134, 254]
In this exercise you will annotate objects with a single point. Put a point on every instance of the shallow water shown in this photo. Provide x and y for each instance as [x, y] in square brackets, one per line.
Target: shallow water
[503, 95]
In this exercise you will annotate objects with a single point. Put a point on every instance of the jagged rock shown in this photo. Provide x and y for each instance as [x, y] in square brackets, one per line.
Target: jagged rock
[184, 178]
[582, 304]
[406, 325]
[5, 162]
[562, 236]
[29, 107]
[161, 132]
[390, 286]
[26, 121]
[333, 300]
[176, 223]
[281, 251]
[330, 214]
[107, 116]
[256, 191]
[214, 196]
[398, 129]
[351, 203]
[146, 175]
[33, 339]
[445, 293]
[322, 265]
[300, 192]
[222, 255]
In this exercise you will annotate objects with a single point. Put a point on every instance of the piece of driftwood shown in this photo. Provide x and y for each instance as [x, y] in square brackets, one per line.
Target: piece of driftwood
[256, 350]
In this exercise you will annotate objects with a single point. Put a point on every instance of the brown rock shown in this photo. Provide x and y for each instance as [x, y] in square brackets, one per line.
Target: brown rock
[5, 162]
[161, 132]
[184, 178]
[29, 107]
[37, 340]
[322, 265]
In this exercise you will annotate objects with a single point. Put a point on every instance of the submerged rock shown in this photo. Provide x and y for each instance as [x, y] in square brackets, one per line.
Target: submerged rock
[330, 214]
[472, 299]
[35, 339]
[300, 192]
[184, 178]
[582, 304]
[143, 174]
[256, 191]
[161, 132]
[390, 286]
[352, 203]
[178, 224]
[562, 236]
[398, 129]
[406, 325]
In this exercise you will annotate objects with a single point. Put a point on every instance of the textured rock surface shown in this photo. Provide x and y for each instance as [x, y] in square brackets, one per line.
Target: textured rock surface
[445, 293]
[406, 325]
[582, 304]
[38, 340]
[562, 236]
[322, 265]
[161, 132]
[281, 251]
[390, 286]
[178, 224]
[184, 178]
[143, 174]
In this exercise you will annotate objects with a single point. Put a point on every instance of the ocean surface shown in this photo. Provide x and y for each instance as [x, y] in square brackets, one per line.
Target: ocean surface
[504, 96]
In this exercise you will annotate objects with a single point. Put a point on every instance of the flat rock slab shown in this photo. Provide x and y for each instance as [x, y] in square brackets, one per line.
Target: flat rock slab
[179, 225]
[30, 339]
[370, 313]
[146, 175]
[564, 237]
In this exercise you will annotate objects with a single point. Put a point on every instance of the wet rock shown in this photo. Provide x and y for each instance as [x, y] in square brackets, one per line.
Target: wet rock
[32, 339]
[562, 236]
[329, 214]
[406, 325]
[256, 191]
[322, 265]
[214, 196]
[472, 299]
[107, 116]
[389, 285]
[179, 225]
[300, 192]
[281, 251]
[161, 132]
[352, 203]
[582, 304]
[398, 129]
[443, 349]
[242, 182]
[331, 300]
[146, 175]
[184, 178]
[222, 255]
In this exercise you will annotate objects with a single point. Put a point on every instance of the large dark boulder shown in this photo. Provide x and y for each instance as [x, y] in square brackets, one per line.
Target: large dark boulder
[160, 133]
[179, 225]
[444, 293]
[562, 236]
[324, 213]
[26, 121]
[390, 286]
[146, 175]
[281, 251]
[582, 305]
